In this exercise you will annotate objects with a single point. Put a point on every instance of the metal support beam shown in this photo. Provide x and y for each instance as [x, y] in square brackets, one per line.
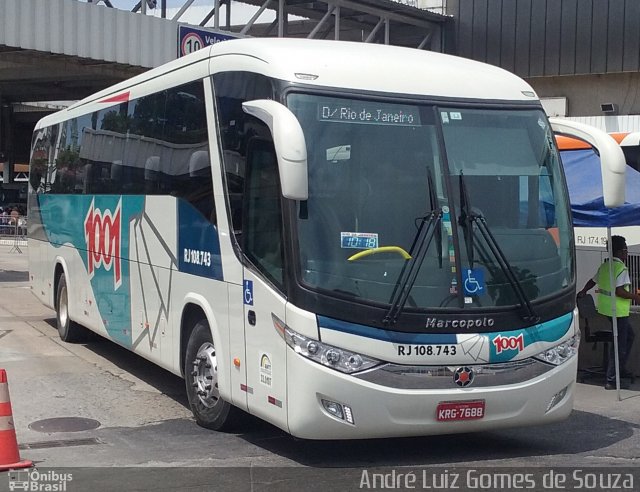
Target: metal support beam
[216, 8]
[374, 31]
[270, 28]
[182, 10]
[207, 17]
[360, 7]
[425, 41]
[352, 20]
[324, 19]
[215, 13]
[246, 28]
[3, 157]
[282, 18]
[6, 140]
[386, 31]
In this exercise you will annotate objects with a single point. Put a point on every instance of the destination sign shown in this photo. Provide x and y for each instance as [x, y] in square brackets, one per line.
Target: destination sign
[369, 113]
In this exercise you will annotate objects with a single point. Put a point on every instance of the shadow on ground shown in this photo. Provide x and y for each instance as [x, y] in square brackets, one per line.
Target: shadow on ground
[583, 432]
[588, 432]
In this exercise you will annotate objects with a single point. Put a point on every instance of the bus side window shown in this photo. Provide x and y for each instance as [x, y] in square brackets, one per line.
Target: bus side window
[199, 187]
[236, 129]
[262, 217]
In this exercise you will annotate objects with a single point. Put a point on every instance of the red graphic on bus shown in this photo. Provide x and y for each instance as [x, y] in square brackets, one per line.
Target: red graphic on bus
[102, 234]
[509, 343]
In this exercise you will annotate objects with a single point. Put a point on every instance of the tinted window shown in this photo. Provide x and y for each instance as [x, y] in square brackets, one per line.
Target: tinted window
[262, 216]
[237, 129]
[155, 145]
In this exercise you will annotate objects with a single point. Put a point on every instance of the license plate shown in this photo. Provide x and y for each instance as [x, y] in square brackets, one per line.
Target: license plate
[460, 410]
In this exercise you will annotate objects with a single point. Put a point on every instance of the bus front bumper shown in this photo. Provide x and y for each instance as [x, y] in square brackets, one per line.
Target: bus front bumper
[379, 411]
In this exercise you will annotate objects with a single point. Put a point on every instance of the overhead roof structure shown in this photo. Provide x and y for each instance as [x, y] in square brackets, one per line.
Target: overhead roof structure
[68, 49]
[382, 21]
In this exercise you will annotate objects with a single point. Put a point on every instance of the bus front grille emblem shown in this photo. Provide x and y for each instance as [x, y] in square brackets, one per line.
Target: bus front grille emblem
[463, 376]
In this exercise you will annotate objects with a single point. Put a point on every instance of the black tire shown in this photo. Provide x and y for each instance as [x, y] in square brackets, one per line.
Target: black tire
[201, 380]
[69, 331]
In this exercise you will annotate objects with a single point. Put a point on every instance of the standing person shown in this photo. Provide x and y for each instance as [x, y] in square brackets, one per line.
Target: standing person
[623, 298]
[14, 215]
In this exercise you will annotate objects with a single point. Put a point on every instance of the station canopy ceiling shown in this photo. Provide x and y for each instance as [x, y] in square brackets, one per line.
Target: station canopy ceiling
[70, 51]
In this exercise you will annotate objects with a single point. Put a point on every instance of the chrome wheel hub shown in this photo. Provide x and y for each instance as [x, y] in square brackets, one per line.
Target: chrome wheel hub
[205, 375]
[63, 309]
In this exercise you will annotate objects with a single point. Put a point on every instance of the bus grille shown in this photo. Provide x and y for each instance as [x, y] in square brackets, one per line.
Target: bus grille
[441, 377]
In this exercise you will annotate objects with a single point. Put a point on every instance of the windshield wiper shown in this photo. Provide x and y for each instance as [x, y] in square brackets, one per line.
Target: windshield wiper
[428, 228]
[433, 201]
[468, 217]
[466, 220]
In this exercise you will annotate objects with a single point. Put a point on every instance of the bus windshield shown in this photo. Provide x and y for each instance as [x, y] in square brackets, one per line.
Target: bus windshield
[488, 181]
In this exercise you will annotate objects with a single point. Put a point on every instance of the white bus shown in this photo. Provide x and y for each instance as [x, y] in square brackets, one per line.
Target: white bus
[581, 164]
[346, 240]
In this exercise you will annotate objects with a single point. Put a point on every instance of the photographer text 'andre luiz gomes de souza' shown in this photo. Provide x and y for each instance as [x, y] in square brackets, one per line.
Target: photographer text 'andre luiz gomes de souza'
[578, 479]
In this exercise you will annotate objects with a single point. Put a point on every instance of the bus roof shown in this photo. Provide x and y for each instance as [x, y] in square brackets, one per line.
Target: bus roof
[382, 68]
[624, 139]
[337, 64]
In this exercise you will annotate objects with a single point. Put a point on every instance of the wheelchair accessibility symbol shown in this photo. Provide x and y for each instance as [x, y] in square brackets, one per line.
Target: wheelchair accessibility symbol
[473, 281]
[248, 292]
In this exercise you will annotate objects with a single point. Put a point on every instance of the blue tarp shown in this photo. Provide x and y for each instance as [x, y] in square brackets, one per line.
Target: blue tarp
[584, 180]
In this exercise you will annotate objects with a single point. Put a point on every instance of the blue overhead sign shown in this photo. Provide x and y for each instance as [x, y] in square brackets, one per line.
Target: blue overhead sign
[191, 39]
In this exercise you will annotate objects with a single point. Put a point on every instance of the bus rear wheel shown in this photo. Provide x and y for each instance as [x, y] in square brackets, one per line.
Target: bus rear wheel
[201, 379]
[69, 331]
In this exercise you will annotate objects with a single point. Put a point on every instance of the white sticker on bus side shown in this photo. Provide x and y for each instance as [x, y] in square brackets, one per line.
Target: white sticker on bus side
[265, 369]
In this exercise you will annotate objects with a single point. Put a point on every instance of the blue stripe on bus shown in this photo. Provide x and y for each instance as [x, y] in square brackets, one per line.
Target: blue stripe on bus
[385, 335]
[549, 331]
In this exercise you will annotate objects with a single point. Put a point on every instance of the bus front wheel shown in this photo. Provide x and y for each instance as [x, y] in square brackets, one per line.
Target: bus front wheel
[69, 331]
[201, 378]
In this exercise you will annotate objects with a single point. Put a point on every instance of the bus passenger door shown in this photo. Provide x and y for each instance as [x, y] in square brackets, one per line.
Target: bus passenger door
[263, 284]
[265, 350]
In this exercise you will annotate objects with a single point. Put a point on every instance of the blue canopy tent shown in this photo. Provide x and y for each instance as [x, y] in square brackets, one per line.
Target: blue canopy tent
[584, 181]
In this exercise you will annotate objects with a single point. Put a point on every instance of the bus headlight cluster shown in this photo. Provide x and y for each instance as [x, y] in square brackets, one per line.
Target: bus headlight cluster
[336, 358]
[561, 353]
[327, 355]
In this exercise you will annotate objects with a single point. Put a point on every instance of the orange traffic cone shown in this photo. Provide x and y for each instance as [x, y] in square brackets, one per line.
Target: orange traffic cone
[9, 455]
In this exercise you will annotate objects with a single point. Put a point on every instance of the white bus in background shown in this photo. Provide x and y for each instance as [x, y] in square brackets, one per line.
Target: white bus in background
[591, 242]
[346, 240]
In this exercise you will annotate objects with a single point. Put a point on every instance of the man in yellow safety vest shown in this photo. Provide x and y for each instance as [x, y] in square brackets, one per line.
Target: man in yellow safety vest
[623, 298]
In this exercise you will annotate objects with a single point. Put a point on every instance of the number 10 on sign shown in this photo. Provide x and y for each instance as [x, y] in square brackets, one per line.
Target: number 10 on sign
[190, 43]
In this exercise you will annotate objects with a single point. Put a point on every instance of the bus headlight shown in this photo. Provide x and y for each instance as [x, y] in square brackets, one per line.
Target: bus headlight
[561, 353]
[329, 356]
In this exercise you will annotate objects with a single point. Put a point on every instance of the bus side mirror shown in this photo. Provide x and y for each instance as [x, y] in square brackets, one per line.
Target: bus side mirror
[289, 142]
[612, 161]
